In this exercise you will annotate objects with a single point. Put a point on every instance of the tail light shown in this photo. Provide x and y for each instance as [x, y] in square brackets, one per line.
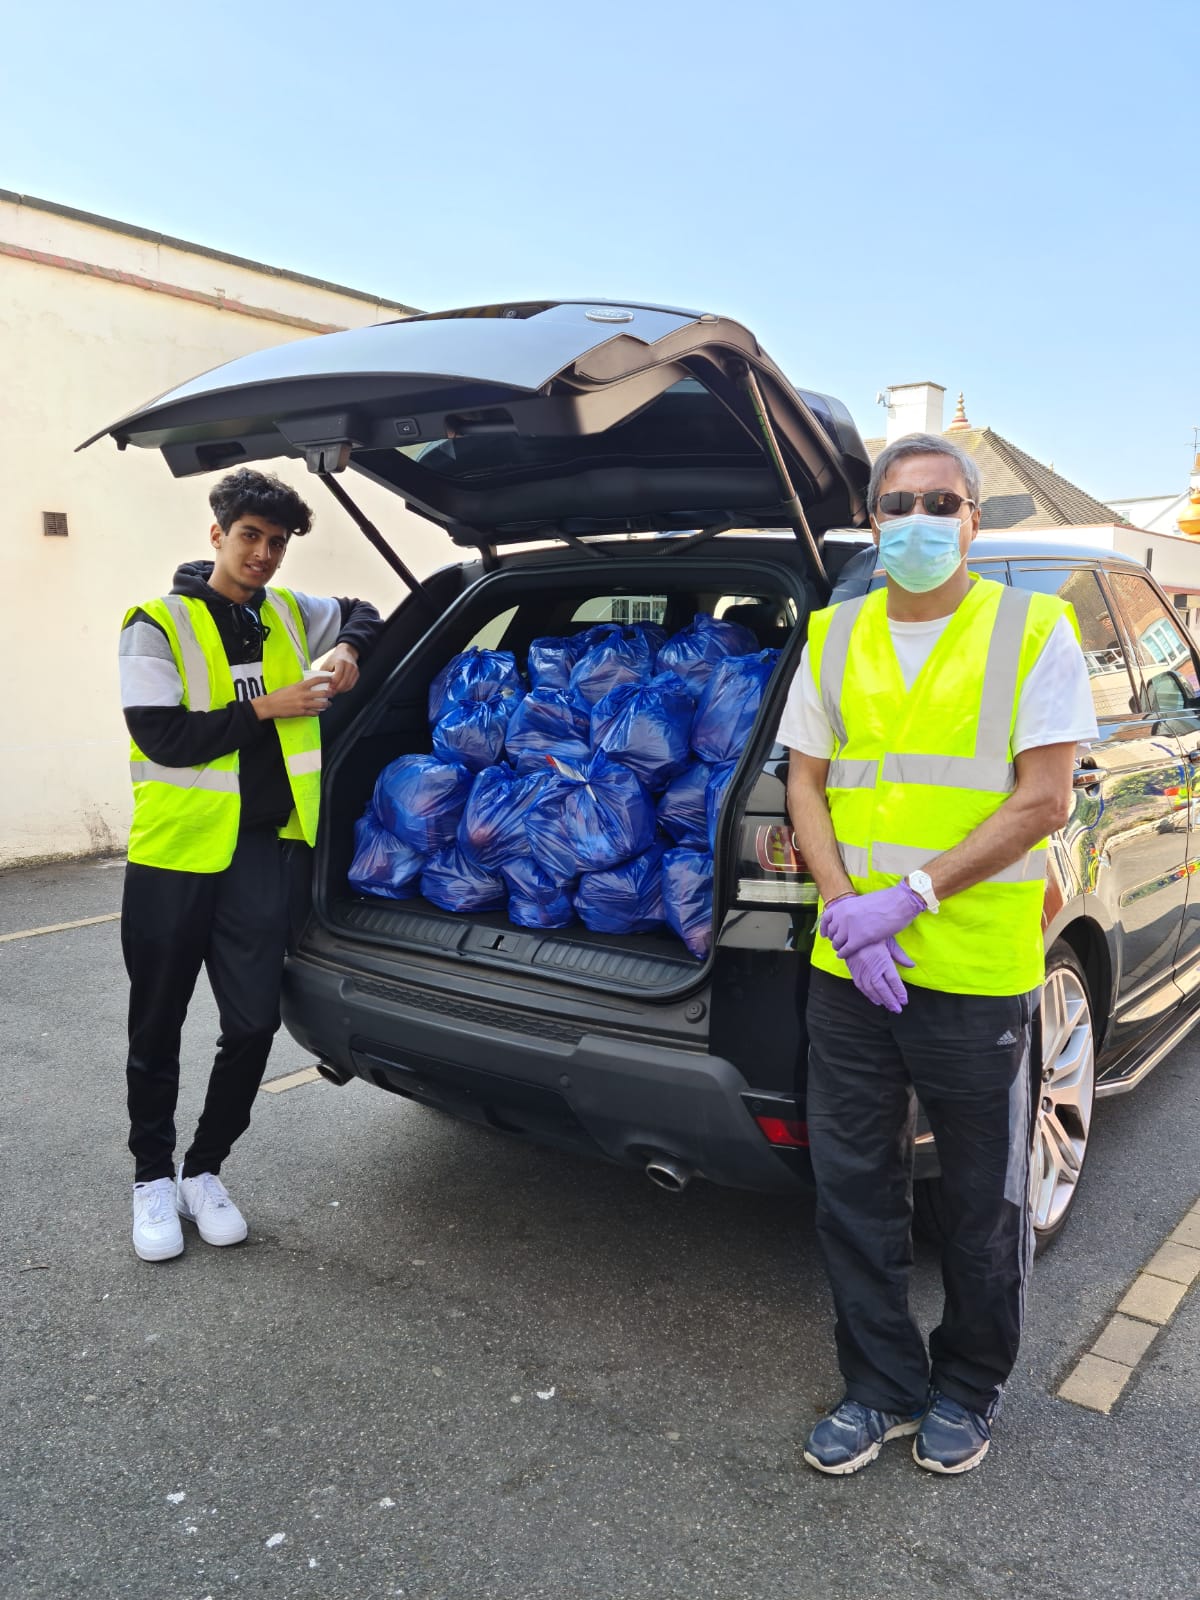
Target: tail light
[770, 870]
[780, 1119]
[786, 1131]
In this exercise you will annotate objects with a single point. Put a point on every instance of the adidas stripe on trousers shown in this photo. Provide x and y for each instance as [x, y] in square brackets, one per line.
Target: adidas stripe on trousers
[967, 1058]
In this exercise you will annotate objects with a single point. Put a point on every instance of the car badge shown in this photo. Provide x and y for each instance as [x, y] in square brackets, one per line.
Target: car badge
[608, 314]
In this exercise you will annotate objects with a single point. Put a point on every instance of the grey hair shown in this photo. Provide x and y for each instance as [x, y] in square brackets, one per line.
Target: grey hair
[922, 444]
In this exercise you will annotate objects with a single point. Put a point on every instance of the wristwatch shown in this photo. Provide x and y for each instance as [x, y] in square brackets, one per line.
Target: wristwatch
[921, 883]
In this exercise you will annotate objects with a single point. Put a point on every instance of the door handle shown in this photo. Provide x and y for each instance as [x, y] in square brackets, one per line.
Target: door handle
[1089, 777]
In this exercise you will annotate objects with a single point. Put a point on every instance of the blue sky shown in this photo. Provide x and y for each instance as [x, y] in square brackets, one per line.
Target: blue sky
[997, 198]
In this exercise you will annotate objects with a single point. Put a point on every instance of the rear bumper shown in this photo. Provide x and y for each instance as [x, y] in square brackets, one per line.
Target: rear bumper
[615, 1097]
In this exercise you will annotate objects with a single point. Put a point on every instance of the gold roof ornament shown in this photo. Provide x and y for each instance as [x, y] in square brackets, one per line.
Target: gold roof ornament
[1189, 515]
[960, 423]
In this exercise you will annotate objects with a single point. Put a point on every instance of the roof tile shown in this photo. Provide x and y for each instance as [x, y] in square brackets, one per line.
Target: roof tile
[1018, 491]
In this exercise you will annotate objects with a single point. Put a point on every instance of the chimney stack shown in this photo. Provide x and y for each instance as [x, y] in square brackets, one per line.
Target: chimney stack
[914, 408]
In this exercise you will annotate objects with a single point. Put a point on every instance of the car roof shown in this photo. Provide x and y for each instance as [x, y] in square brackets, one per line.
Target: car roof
[998, 546]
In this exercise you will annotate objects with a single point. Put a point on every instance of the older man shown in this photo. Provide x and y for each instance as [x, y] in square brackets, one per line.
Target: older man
[932, 727]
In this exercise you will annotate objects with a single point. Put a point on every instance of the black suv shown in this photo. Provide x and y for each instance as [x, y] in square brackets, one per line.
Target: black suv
[602, 462]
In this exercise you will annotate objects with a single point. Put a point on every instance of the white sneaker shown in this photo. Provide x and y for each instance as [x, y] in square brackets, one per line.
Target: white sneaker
[157, 1235]
[205, 1201]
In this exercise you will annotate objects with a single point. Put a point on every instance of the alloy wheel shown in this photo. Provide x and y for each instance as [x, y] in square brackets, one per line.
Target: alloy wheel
[1066, 1096]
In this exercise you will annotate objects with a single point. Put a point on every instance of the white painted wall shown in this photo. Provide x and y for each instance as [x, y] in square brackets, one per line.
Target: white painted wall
[1157, 514]
[76, 353]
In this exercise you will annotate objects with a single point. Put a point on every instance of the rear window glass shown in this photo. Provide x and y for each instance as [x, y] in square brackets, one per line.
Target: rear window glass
[685, 423]
[623, 608]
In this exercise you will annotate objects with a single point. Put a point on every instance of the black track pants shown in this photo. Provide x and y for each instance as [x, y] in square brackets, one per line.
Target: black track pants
[967, 1058]
[234, 923]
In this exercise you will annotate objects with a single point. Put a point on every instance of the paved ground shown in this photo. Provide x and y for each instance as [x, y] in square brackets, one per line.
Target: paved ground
[447, 1365]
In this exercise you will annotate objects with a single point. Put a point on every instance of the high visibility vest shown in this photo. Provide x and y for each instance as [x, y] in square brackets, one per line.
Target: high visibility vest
[186, 818]
[914, 771]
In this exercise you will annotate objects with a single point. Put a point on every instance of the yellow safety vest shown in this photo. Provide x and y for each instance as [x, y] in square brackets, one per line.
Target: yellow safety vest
[186, 818]
[914, 771]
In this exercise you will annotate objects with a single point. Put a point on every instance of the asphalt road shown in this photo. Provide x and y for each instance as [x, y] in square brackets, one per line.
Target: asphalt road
[449, 1365]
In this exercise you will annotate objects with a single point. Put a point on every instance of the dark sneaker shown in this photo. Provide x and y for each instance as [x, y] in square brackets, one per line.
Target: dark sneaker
[950, 1438]
[852, 1435]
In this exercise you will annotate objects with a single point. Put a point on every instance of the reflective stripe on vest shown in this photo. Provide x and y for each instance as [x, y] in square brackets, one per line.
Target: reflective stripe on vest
[186, 818]
[306, 761]
[222, 782]
[195, 674]
[282, 603]
[914, 770]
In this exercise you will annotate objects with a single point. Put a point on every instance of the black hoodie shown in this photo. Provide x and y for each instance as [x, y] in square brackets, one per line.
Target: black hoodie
[175, 737]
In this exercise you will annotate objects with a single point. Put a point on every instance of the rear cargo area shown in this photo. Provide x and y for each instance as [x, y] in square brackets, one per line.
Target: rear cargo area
[530, 596]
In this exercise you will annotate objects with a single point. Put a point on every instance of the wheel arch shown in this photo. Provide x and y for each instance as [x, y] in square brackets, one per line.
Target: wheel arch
[1087, 940]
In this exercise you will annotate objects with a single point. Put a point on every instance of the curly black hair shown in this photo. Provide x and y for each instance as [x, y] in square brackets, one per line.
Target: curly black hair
[257, 494]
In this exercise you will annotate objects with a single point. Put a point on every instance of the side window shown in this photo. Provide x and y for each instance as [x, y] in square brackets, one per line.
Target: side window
[1171, 684]
[1113, 693]
[491, 635]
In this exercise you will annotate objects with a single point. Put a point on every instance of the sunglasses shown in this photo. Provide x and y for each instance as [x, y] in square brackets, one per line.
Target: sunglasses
[937, 502]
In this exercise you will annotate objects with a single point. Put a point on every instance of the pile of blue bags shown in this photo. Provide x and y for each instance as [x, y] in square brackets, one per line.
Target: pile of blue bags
[587, 789]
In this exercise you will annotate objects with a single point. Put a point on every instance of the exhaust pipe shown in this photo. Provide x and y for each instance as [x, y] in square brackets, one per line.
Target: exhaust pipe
[669, 1174]
[333, 1074]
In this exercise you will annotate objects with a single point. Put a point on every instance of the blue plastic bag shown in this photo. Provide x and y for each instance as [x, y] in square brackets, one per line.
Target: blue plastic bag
[537, 898]
[474, 674]
[547, 722]
[420, 799]
[473, 732]
[624, 899]
[589, 638]
[654, 635]
[645, 726]
[687, 891]
[681, 811]
[729, 705]
[624, 656]
[565, 753]
[714, 794]
[696, 649]
[550, 661]
[585, 820]
[492, 829]
[382, 863]
[454, 880]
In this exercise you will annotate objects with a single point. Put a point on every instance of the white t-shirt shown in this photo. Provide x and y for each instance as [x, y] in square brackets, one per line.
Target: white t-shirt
[1055, 705]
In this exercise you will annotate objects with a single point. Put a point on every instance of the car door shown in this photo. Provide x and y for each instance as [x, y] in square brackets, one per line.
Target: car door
[1166, 663]
[1124, 837]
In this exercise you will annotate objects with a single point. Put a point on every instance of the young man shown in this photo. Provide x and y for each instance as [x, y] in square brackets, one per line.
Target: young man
[226, 767]
[933, 727]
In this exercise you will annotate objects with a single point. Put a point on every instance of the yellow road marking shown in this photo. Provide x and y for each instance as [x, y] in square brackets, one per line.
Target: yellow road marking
[292, 1080]
[59, 927]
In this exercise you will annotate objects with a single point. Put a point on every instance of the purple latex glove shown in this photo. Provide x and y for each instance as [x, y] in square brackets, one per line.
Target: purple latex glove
[862, 919]
[873, 969]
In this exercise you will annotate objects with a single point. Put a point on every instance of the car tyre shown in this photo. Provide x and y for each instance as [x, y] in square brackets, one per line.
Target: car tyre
[1064, 1097]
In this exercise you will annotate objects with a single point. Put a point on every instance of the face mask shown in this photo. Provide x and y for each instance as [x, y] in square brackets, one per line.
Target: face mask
[919, 552]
